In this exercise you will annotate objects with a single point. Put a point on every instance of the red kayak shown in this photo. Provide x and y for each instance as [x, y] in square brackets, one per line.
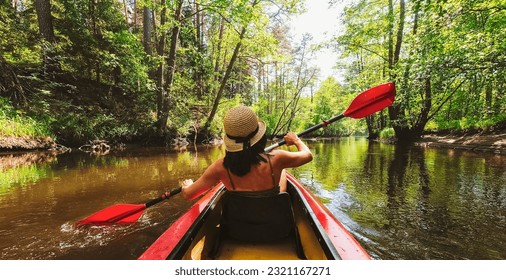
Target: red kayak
[305, 229]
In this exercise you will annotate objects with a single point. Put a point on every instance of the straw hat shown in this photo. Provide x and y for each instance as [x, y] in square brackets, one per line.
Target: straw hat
[242, 128]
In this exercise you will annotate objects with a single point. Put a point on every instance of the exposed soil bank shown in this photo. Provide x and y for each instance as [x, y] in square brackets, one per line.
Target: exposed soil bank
[480, 142]
[26, 143]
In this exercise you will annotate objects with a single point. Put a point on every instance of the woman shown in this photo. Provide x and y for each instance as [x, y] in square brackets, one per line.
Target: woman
[245, 166]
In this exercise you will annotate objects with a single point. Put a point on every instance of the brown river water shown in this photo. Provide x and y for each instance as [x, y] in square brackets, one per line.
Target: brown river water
[399, 203]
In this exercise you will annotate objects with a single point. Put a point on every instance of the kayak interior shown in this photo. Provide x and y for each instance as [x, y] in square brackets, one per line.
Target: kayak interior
[197, 234]
[200, 240]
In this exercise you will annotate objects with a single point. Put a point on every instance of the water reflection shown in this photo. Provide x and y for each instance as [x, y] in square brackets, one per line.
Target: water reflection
[399, 202]
[23, 168]
[411, 203]
[41, 201]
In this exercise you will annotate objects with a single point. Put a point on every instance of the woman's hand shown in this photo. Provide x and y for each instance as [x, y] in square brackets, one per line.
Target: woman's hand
[291, 138]
[303, 154]
[186, 183]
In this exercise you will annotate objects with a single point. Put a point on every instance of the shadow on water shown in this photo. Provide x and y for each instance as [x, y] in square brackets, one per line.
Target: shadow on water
[412, 221]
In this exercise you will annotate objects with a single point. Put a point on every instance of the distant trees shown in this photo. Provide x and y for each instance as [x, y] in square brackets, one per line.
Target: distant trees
[185, 59]
[446, 58]
[182, 63]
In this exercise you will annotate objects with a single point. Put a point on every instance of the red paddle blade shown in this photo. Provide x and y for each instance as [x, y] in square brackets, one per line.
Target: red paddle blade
[116, 214]
[371, 101]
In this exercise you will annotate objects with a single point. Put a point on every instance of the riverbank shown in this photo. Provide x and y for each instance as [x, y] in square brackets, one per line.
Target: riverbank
[11, 143]
[477, 142]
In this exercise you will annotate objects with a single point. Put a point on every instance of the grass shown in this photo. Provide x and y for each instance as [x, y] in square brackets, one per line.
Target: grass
[16, 124]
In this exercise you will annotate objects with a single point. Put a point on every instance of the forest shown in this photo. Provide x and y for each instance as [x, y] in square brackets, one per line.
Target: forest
[150, 71]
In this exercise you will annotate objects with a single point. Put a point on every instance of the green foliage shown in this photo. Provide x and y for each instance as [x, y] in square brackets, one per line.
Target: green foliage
[449, 73]
[21, 48]
[128, 55]
[16, 124]
[75, 128]
[450, 68]
[332, 99]
[387, 133]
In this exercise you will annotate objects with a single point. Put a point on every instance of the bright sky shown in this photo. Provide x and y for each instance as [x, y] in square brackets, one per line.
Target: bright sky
[322, 22]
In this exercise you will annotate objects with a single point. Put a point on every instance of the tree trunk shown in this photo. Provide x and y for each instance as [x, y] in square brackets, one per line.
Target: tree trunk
[423, 118]
[125, 6]
[199, 74]
[218, 49]
[395, 111]
[225, 80]
[371, 128]
[198, 24]
[171, 66]
[488, 99]
[146, 30]
[161, 69]
[390, 28]
[135, 15]
[45, 22]
[96, 34]
[400, 31]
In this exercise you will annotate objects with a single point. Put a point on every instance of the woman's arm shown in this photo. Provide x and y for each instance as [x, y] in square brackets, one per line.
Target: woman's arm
[294, 159]
[210, 178]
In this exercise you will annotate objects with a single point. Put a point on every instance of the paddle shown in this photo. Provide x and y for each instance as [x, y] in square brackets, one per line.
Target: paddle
[123, 213]
[366, 103]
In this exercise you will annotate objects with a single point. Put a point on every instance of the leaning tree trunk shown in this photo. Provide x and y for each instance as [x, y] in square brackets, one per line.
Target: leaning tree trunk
[395, 112]
[171, 66]
[224, 80]
[160, 75]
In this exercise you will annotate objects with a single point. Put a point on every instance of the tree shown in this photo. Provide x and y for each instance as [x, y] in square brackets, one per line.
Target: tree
[146, 29]
[439, 66]
[165, 94]
[230, 65]
[45, 23]
[304, 76]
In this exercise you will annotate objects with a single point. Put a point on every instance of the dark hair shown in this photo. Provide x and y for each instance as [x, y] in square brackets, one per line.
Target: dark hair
[240, 162]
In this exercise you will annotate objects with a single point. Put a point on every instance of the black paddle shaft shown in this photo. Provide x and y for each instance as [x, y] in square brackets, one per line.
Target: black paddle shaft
[307, 131]
[163, 197]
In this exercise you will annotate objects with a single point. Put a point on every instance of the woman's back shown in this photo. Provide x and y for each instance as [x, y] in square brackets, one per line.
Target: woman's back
[246, 167]
[261, 177]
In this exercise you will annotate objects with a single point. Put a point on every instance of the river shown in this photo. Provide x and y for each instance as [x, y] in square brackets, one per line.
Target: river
[398, 202]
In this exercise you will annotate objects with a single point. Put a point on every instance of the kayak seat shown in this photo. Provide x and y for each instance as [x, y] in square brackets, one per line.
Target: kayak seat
[250, 217]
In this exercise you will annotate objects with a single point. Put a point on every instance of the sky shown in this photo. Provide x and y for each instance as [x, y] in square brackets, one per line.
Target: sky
[322, 22]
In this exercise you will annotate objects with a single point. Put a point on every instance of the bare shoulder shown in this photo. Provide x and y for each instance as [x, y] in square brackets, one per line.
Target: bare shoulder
[284, 159]
[217, 163]
[279, 155]
[216, 168]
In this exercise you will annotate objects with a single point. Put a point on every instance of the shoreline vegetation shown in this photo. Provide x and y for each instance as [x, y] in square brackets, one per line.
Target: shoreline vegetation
[493, 142]
[161, 77]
